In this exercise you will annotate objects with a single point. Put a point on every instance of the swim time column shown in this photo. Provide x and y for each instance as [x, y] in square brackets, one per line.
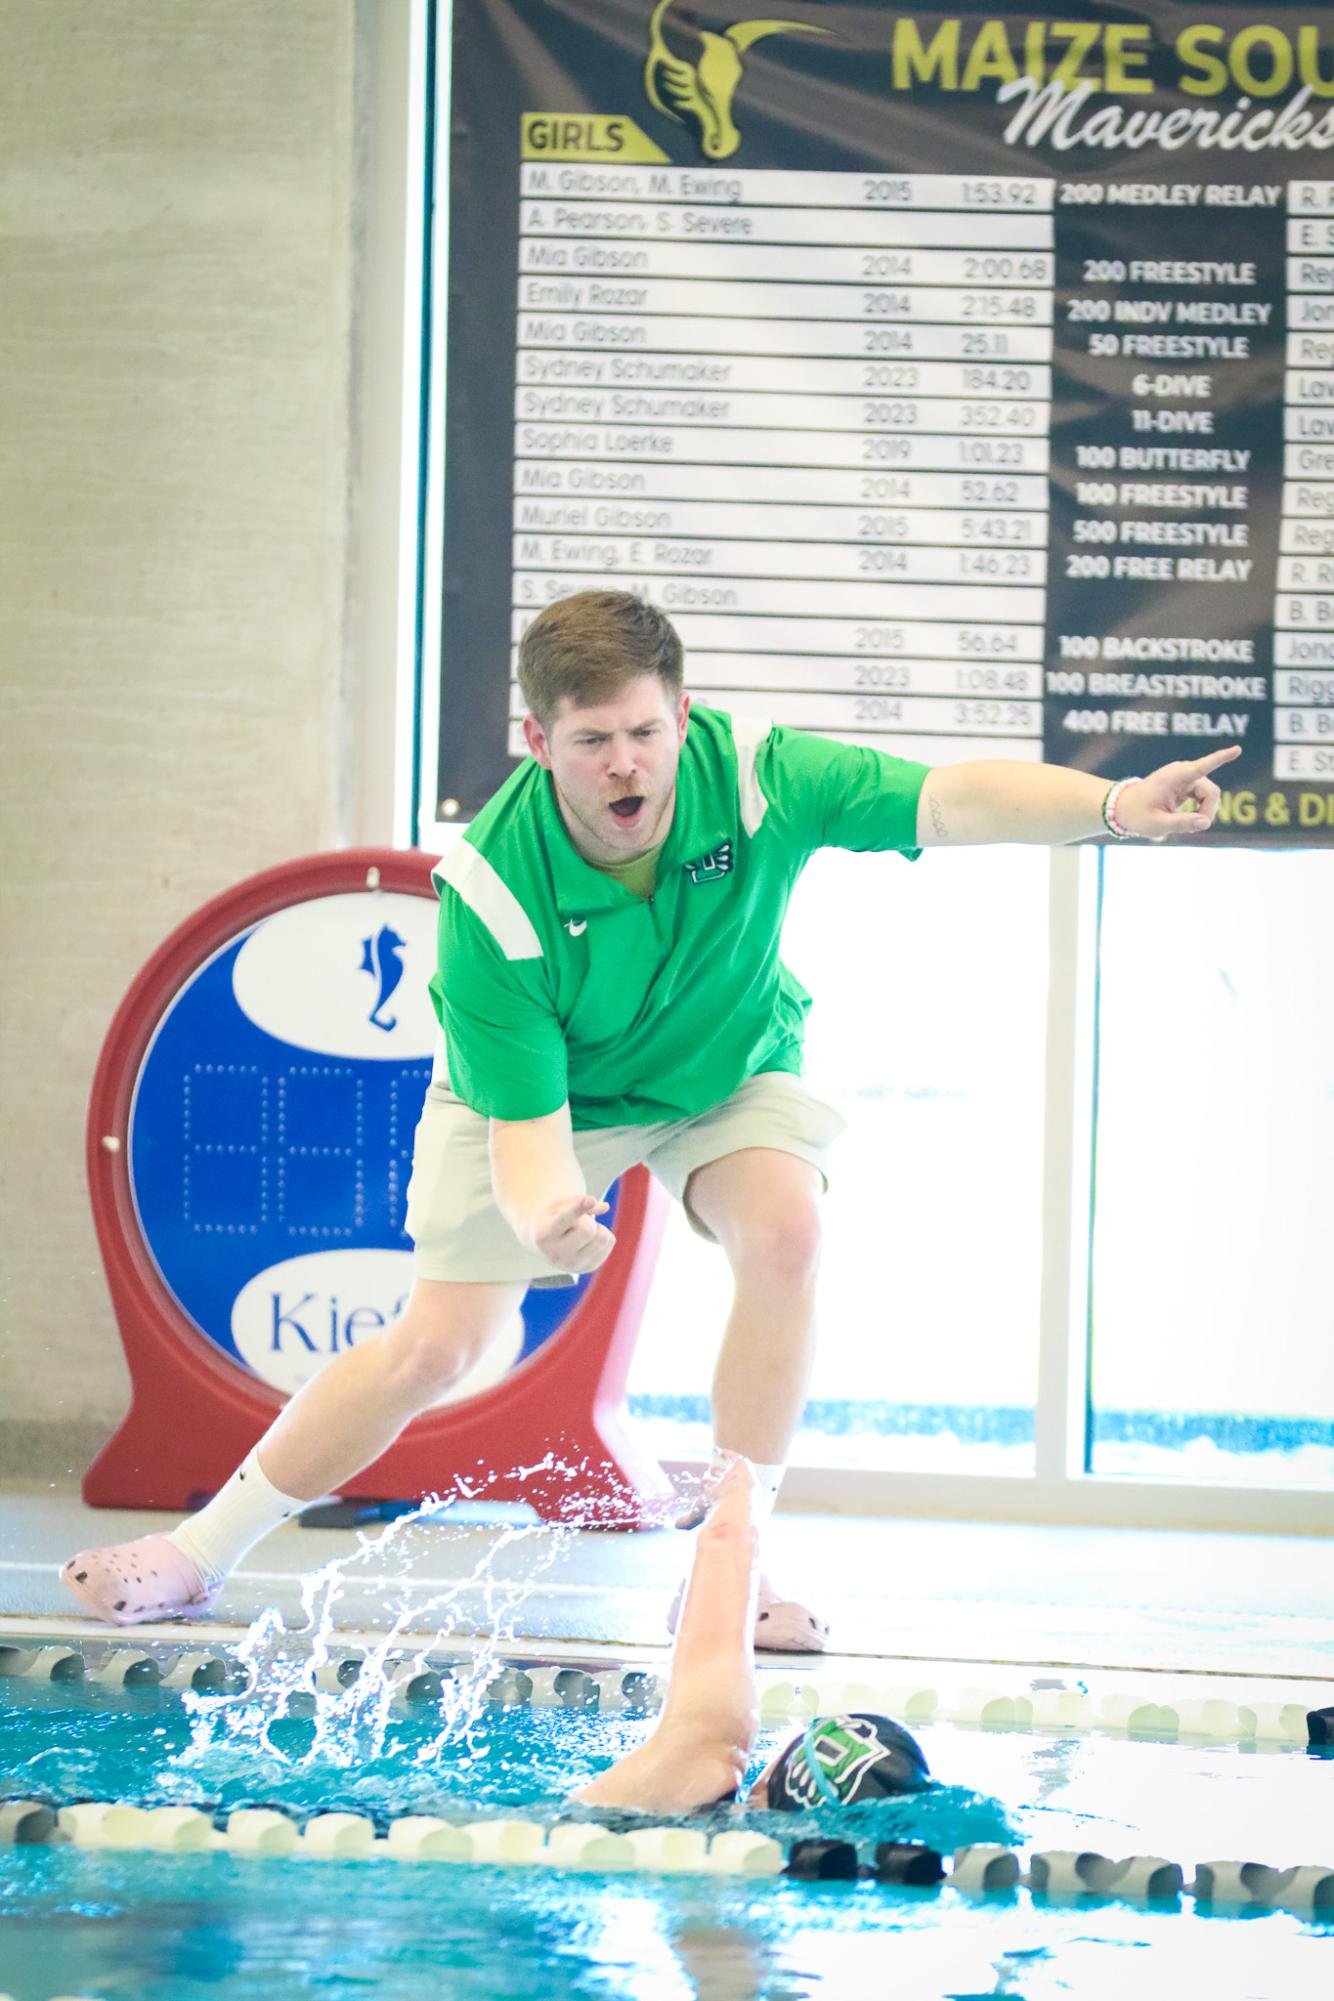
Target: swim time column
[808, 413]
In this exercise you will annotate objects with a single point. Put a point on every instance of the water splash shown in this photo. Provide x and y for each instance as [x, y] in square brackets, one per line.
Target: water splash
[292, 1675]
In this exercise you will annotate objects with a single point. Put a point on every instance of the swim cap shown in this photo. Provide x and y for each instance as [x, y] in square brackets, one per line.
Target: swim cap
[842, 1759]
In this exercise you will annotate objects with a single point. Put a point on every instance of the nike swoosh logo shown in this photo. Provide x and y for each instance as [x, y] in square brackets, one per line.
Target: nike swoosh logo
[577, 927]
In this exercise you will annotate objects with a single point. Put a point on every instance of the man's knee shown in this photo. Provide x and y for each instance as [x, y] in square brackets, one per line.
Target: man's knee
[443, 1331]
[781, 1244]
[422, 1365]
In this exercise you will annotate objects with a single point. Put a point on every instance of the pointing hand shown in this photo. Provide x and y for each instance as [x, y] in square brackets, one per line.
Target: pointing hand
[1175, 799]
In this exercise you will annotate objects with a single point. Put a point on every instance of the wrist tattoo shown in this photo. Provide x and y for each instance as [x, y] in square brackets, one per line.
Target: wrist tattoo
[937, 819]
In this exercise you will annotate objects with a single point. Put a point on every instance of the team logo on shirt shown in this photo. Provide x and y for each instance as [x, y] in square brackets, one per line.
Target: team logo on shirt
[711, 867]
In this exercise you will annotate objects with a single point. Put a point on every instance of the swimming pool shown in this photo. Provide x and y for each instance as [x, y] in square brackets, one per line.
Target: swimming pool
[180, 1927]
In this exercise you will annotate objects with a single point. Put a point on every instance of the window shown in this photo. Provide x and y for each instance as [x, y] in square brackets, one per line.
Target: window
[1213, 1248]
[927, 1033]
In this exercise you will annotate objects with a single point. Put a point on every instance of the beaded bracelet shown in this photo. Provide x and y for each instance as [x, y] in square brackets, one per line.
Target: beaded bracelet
[1115, 827]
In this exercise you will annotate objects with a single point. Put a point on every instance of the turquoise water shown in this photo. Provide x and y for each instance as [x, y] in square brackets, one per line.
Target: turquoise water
[194, 1929]
[68, 1741]
[182, 1928]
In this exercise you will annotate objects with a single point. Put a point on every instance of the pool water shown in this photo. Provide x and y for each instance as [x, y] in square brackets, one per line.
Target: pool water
[154, 1927]
[72, 1740]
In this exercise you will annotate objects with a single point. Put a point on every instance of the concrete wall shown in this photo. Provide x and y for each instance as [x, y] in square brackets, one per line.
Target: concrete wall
[177, 269]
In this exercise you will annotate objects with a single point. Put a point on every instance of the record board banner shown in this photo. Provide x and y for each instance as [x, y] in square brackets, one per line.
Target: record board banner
[960, 382]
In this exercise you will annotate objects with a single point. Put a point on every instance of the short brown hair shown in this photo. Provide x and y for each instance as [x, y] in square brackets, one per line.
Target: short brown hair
[592, 645]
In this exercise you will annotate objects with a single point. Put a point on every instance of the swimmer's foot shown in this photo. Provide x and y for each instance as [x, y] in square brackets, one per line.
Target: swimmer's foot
[781, 1625]
[132, 1581]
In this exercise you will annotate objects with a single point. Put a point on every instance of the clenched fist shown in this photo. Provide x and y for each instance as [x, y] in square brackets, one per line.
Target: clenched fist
[568, 1233]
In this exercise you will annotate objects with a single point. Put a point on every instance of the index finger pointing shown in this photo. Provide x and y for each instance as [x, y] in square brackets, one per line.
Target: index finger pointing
[1215, 758]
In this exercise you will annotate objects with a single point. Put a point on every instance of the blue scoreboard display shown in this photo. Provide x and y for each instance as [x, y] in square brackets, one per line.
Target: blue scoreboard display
[271, 1136]
[250, 1150]
[269, 1176]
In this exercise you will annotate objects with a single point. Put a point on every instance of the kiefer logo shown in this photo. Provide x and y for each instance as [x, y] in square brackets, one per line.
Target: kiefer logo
[290, 1319]
[713, 866]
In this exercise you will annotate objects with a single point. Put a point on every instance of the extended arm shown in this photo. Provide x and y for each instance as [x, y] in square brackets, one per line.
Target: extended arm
[539, 1190]
[1049, 805]
[699, 1748]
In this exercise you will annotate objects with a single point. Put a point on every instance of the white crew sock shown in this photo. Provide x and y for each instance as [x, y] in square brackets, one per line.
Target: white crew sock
[235, 1519]
[770, 1479]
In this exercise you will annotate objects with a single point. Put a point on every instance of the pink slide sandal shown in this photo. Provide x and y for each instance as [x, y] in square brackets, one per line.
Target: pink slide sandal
[781, 1625]
[784, 1627]
[133, 1581]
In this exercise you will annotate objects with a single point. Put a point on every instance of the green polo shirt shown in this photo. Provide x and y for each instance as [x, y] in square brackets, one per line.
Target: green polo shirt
[556, 981]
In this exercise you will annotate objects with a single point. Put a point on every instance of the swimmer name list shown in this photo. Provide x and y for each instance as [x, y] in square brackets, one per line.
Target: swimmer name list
[811, 424]
[1304, 588]
[814, 429]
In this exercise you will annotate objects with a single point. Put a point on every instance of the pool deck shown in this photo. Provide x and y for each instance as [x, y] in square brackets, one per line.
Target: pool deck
[1240, 1616]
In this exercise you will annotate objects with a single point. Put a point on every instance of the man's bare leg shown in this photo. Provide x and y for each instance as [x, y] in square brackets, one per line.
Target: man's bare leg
[763, 1206]
[337, 1423]
[702, 1741]
[354, 1409]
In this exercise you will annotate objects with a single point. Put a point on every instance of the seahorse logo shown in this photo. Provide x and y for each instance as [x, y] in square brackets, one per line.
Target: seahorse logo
[705, 89]
[381, 956]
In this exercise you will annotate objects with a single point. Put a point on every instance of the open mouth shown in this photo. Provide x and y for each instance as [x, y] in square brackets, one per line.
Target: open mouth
[626, 809]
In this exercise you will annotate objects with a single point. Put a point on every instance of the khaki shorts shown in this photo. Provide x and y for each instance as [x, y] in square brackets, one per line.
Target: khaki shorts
[460, 1234]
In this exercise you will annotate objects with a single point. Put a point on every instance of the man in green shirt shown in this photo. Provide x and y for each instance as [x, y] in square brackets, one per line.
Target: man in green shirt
[640, 977]
[610, 991]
